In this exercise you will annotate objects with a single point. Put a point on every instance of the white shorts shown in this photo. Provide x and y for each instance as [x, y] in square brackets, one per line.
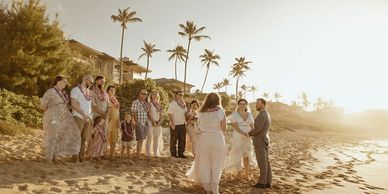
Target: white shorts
[128, 143]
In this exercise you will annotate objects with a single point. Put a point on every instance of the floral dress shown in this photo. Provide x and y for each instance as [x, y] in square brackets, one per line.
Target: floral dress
[61, 134]
[192, 130]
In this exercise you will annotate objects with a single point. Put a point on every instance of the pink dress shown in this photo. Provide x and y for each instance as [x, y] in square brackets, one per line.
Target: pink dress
[97, 142]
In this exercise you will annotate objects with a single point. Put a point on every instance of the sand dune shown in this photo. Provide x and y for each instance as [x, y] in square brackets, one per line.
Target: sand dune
[302, 163]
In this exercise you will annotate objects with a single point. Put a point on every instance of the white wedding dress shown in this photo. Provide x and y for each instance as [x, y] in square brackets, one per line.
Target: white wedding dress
[241, 144]
[210, 152]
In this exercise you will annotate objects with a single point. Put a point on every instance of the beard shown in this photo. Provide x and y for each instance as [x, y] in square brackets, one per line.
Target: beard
[99, 86]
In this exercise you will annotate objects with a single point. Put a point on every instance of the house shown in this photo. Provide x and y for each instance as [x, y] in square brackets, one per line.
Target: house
[173, 84]
[132, 71]
[106, 64]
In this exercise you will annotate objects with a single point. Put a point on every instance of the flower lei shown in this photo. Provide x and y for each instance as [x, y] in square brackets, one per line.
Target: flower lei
[181, 103]
[101, 133]
[156, 105]
[213, 109]
[85, 92]
[144, 104]
[114, 101]
[102, 95]
[62, 94]
[126, 130]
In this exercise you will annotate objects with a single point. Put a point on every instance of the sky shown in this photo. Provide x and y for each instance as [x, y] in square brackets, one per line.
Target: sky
[334, 49]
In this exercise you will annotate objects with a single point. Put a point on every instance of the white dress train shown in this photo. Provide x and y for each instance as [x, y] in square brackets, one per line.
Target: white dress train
[210, 152]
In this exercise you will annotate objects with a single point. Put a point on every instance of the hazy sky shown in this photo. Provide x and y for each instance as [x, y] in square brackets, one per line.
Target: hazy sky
[336, 49]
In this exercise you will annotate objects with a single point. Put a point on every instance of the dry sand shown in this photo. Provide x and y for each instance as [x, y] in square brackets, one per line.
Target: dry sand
[303, 162]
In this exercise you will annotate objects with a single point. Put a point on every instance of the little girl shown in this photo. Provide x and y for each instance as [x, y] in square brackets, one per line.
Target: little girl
[127, 134]
[98, 139]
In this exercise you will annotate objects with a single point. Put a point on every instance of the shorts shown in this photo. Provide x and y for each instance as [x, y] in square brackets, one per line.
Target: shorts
[128, 143]
[141, 132]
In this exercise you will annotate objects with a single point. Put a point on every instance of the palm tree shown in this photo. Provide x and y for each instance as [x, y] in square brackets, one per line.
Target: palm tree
[277, 95]
[124, 16]
[253, 89]
[238, 70]
[294, 105]
[305, 100]
[318, 105]
[190, 31]
[148, 50]
[266, 95]
[208, 58]
[179, 53]
[225, 83]
[217, 86]
[240, 94]
[244, 88]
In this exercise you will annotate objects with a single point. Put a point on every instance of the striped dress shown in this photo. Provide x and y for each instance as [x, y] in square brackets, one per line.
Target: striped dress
[96, 143]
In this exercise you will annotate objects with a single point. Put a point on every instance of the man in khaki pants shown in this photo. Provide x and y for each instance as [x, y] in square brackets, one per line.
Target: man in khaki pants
[81, 102]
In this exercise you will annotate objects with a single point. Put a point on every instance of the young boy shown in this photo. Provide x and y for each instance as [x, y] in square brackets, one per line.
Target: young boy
[127, 137]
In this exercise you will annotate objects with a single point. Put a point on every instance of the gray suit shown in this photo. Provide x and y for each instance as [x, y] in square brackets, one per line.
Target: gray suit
[260, 137]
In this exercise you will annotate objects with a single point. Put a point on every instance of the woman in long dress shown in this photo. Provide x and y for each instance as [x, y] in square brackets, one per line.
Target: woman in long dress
[113, 120]
[61, 133]
[154, 133]
[241, 153]
[211, 150]
[192, 126]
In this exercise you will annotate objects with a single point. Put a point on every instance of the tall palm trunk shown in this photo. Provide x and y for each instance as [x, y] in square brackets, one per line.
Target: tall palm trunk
[176, 75]
[207, 71]
[187, 58]
[226, 89]
[121, 55]
[254, 97]
[237, 88]
[148, 62]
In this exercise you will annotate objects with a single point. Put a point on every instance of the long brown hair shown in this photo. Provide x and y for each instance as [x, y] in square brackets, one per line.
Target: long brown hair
[57, 79]
[212, 101]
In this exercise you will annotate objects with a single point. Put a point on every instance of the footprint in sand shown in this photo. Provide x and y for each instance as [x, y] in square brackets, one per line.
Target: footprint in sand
[23, 187]
[71, 182]
[57, 190]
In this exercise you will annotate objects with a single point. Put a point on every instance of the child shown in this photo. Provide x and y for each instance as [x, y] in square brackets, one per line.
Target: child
[98, 139]
[127, 137]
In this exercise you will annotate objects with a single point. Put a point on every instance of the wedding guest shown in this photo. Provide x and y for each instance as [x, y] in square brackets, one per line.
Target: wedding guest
[154, 133]
[100, 105]
[176, 113]
[61, 134]
[242, 148]
[113, 120]
[211, 150]
[191, 125]
[98, 139]
[82, 111]
[127, 134]
[140, 109]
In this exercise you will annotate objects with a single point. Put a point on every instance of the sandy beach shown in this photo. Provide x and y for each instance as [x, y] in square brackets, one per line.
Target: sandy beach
[303, 162]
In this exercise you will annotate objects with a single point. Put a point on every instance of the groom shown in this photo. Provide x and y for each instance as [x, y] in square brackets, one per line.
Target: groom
[260, 137]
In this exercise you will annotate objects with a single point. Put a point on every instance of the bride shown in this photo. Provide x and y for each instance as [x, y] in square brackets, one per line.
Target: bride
[211, 148]
[241, 152]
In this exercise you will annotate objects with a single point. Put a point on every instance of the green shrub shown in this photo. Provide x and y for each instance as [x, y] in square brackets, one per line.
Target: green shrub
[128, 92]
[20, 110]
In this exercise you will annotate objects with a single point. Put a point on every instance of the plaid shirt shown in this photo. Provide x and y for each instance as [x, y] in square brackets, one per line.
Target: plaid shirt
[141, 111]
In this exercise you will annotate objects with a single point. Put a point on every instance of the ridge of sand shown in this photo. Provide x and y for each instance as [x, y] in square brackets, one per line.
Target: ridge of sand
[302, 163]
